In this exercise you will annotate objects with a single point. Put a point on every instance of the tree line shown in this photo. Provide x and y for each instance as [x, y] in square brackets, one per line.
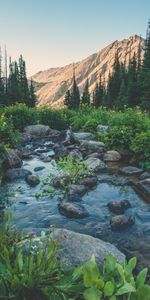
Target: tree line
[14, 85]
[128, 86]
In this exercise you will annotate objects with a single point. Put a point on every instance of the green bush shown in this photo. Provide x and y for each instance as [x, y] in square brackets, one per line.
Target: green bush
[36, 274]
[8, 136]
[141, 148]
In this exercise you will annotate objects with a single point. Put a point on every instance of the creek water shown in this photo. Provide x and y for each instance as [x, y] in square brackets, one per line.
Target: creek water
[35, 214]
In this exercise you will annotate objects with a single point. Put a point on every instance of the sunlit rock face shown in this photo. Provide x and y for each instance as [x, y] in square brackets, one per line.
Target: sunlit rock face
[52, 83]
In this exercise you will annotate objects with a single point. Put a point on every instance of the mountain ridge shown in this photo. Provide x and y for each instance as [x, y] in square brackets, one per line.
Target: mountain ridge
[51, 84]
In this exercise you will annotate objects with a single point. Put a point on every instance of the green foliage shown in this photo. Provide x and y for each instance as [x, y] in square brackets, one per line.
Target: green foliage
[7, 135]
[75, 168]
[31, 272]
[114, 281]
[141, 147]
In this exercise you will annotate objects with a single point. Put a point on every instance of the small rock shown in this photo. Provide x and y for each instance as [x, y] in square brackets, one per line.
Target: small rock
[75, 154]
[95, 164]
[76, 190]
[130, 171]
[145, 175]
[61, 181]
[32, 180]
[102, 129]
[89, 182]
[121, 222]
[119, 207]
[17, 173]
[92, 145]
[112, 156]
[46, 159]
[73, 210]
[144, 186]
[39, 169]
[83, 135]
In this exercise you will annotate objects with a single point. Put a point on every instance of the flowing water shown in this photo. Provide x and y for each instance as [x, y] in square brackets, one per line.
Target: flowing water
[32, 214]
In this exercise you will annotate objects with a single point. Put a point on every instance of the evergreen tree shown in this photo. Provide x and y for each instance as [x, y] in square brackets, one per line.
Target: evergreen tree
[114, 83]
[144, 76]
[32, 96]
[67, 99]
[1, 82]
[23, 82]
[86, 95]
[132, 85]
[75, 95]
[13, 84]
[99, 93]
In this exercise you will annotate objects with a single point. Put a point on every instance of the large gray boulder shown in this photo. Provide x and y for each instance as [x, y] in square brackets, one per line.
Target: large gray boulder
[112, 155]
[95, 164]
[143, 186]
[17, 173]
[92, 145]
[129, 171]
[102, 128]
[73, 210]
[84, 135]
[37, 131]
[76, 248]
[11, 159]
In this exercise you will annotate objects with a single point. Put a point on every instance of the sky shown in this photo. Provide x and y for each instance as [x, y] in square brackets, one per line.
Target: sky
[52, 33]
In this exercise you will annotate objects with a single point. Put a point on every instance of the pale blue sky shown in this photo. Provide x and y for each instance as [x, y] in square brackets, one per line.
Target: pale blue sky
[54, 33]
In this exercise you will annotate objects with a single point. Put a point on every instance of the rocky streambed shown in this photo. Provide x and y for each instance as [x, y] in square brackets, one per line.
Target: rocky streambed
[111, 204]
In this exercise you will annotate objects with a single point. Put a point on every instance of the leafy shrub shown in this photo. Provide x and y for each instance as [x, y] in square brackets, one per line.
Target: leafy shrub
[141, 147]
[75, 168]
[7, 134]
[38, 275]
[56, 119]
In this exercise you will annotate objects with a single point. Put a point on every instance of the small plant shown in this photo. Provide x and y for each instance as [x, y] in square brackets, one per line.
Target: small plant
[75, 168]
[114, 281]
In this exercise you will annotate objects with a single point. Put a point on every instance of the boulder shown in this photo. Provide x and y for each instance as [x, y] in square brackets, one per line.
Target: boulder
[32, 180]
[70, 138]
[92, 145]
[11, 159]
[83, 135]
[89, 182]
[37, 169]
[145, 175]
[118, 207]
[144, 186]
[102, 128]
[37, 131]
[25, 153]
[75, 191]
[73, 210]
[112, 156]
[76, 248]
[121, 222]
[75, 154]
[130, 171]
[17, 173]
[61, 181]
[24, 138]
[95, 164]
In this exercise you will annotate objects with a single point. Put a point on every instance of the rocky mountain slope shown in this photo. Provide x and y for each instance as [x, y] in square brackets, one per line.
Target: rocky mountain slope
[52, 84]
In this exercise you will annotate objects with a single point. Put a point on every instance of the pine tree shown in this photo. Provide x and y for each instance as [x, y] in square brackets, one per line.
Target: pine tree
[75, 95]
[1, 81]
[99, 93]
[132, 85]
[144, 76]
[67, 99]
[23, 82]
[86, 95]
[32, 97]
[114, 83]
[13, 83]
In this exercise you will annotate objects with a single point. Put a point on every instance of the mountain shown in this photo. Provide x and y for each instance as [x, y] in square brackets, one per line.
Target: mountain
[52, 84]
